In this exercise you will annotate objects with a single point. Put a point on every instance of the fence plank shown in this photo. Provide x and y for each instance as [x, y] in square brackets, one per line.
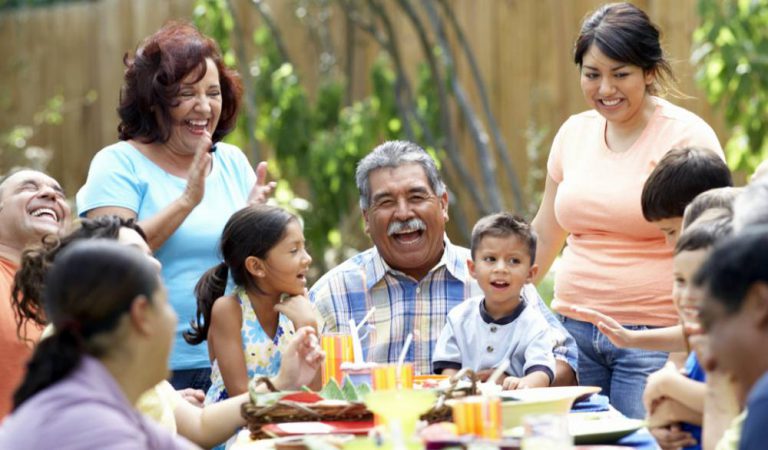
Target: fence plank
[523, 48]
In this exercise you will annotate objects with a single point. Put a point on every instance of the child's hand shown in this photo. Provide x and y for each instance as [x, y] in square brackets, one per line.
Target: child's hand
[617, 334]
[483, 375]
[299, 310]
[196, 397]
[301, 360]
[657, 386]
[510, 383]
[671, 437]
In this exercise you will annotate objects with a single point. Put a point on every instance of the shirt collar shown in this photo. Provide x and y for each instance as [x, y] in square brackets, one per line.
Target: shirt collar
[375, 267]
[502, 320]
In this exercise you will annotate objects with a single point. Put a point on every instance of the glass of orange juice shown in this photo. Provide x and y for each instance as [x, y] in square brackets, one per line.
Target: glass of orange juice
[338, 349]
[479, 416]
[386, 376]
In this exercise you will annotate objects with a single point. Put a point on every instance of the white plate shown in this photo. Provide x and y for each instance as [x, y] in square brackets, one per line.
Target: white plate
[550, 393]
[601, 428]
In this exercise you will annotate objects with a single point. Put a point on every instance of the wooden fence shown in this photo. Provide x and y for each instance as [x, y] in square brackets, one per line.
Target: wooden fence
[523, 48]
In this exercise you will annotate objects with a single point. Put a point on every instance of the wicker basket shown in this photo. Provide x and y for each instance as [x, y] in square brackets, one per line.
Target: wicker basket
[442, 412]
[285, 411]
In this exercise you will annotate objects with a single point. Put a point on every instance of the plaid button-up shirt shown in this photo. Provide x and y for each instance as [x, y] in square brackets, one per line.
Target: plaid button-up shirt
[404, 305]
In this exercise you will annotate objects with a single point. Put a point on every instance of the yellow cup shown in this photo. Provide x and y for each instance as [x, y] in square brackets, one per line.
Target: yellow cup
[385, 377]
[479, 416]
[338, 349]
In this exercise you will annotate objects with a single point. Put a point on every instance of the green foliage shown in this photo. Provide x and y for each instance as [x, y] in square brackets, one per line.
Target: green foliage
[316, 142]
[213, 18]
[15, 147]
[732, 56]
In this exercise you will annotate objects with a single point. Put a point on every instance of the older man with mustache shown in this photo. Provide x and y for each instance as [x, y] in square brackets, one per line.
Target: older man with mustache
[413, 275]
[32, 205]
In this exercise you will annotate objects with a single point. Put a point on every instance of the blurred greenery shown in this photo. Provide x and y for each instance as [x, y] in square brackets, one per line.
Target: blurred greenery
[16, 149]
[731, 52]
[316, 142]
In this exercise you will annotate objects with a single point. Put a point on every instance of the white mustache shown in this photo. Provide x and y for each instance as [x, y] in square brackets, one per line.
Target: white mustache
[414, 224]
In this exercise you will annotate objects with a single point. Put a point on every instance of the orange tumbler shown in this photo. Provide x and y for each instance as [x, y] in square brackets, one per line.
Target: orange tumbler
[385, 377]
[338, 349]
[478, 415]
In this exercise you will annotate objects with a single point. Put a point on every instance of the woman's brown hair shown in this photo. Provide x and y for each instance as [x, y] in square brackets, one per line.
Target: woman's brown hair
[153, 77]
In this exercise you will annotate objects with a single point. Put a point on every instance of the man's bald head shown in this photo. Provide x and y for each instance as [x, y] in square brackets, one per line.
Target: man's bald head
[32, 205]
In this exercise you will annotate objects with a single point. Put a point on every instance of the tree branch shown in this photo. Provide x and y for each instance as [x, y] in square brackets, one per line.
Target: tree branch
[251, 109]
[498, 138]
[442, 95]
[477, 131]
[263, 9]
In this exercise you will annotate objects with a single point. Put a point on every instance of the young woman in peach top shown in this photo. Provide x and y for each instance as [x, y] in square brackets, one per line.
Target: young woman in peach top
[615, 261]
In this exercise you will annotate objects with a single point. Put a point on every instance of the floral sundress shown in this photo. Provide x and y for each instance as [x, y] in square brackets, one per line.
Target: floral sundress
[262, 353]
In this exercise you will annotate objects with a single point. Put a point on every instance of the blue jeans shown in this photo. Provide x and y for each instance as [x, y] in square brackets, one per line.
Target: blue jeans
[620, 372]
[191, 378]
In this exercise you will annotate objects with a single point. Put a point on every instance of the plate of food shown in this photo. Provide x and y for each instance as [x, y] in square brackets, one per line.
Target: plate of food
[601, 428]
[551, 400]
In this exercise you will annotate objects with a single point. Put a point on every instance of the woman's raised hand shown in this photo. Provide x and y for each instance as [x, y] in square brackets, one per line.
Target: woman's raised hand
[301, 360]
[193, 193]
[261, 190]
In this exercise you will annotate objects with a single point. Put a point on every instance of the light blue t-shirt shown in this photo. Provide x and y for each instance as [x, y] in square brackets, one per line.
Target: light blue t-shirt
[122, 176]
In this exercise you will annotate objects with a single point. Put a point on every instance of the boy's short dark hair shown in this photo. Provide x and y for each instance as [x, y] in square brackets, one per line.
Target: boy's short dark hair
[504, 224]
[721, 199]
[680, 176]
[704, 234]
[736, 263]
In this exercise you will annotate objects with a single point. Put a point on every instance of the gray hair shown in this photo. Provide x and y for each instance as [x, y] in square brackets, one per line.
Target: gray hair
[751, 206]
[392, 154]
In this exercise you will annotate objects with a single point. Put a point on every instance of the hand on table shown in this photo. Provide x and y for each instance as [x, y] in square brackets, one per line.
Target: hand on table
[510, 383]
[483, 374]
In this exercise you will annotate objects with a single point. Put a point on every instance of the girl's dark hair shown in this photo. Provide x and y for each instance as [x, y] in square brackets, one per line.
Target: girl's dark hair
[623, 32]
[153, 77]
[88, 289]
[26, 298]
[252, 231]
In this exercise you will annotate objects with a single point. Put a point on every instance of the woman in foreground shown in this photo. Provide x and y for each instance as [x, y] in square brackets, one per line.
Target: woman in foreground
[113, 334]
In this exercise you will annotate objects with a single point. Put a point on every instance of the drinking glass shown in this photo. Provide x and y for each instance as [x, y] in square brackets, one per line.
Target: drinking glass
[338, 349]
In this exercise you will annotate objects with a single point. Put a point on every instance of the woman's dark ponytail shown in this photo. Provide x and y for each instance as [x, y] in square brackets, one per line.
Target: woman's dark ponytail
[54, 358]
[211, 286]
